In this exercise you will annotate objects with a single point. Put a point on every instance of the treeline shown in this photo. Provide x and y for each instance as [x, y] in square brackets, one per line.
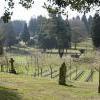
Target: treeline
[46, 33]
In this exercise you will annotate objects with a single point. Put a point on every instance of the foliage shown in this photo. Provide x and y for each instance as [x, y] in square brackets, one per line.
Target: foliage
[33, 26]
[58, 6]
[53, 6]
[41, 23]
[37, 25]
[18, 26]
[78, 28]
[60, 29]
[25, 36]
[84, 19]
[10, 4]
[90, 20]
[96, 30]
[47, 42]
[51, 33]
[9, 36]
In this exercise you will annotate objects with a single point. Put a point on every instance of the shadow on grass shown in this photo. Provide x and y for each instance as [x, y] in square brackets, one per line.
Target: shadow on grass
[68, 85]
[8, 94]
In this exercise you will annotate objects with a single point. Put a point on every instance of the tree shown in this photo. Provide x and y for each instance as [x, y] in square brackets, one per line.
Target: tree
[60, 29]
[90, 20]
[25, 36]
[77, 17]
[53, 6]
[33, 27]
[46, 41]
[41, 24]
[79, 32]
[84, 19]
[56, 6]
[18, 26]
[63, 33]
[96, 30]
[9, 36]
[10, 5]
[1, 38]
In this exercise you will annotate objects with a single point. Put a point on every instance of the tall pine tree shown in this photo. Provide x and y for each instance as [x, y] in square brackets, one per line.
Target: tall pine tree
[61, 31]
[84, 19]
[96, 30]
[90, 20]
[33, 26]
[25, 36]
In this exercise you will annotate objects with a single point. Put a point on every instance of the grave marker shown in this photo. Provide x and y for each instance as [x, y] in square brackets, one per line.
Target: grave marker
[12, 70]
[62, 74]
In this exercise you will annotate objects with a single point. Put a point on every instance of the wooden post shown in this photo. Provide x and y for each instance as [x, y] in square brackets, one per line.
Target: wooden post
[41, 72]
[51, 71]
[2, 69]
[38, 66]
[76, 71]
[66, 69]
[92, 75]
[70, 69]
[35, 73]
[99, 81]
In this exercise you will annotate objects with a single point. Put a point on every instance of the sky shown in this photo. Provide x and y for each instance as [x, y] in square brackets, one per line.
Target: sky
[21, 13]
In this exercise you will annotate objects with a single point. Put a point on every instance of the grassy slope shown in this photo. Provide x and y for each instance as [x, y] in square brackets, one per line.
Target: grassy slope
[26, 88]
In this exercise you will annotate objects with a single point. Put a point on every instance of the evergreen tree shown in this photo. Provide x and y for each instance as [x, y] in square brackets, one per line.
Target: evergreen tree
[61, 30]
[84, 19]
[46, 41]
[25, 36]
[90, 19]
[78, 30]
[96, 30]
[33, 26]
[9, 35]
[18, 26]
[77, 17]
[41, 24]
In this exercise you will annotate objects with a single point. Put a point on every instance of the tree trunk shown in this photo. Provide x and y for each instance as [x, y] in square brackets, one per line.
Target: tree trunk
[75, 45]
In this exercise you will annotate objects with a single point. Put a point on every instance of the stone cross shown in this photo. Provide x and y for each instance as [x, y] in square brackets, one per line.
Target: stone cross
[12, 70]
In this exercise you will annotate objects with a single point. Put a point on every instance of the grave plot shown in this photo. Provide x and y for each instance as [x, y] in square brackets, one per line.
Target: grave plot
[84, 76]
[56, 74]
[70, 72]
[75, 73]
[41, 72]
[51, 73]
[79, 75]
[90, 76]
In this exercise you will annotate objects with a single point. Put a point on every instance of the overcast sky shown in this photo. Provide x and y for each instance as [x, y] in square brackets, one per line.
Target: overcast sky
[21, 13]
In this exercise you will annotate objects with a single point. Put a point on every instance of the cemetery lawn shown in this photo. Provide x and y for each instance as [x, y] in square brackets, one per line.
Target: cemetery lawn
[17, 87]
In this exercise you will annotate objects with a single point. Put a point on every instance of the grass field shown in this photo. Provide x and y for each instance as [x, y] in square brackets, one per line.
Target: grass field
[15, 87]
[26, 85]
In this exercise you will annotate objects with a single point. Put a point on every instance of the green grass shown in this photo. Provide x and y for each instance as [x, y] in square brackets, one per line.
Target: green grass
[28, 88]
[9, 94]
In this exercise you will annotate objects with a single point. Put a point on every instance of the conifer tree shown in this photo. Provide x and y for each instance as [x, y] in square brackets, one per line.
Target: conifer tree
[25, 36]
